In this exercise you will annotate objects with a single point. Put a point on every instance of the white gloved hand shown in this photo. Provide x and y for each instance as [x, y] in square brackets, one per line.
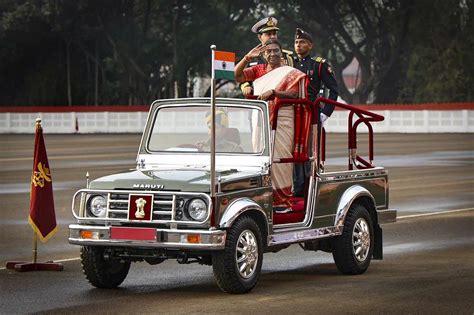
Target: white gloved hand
[322, 118]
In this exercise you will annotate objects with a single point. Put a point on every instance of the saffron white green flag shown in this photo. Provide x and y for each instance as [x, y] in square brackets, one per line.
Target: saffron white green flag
[223, 63]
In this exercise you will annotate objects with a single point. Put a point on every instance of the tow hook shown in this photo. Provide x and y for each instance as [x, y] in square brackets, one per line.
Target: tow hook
[182, 258]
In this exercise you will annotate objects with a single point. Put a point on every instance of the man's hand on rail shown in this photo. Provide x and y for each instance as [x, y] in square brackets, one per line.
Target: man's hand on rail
[248, 90]
[267, 95]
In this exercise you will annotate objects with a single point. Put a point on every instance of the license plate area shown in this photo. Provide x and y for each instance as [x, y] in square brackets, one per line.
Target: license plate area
[132, 234]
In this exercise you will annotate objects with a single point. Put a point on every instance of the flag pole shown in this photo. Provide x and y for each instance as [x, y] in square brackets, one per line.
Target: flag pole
[35, 247]
[213, 125]
[35, 236]
[39, 152]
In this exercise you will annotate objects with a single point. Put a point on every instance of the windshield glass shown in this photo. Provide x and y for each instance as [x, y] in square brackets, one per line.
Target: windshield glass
[187, 129]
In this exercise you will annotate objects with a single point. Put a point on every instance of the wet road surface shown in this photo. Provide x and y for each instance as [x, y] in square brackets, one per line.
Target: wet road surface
[428, 264]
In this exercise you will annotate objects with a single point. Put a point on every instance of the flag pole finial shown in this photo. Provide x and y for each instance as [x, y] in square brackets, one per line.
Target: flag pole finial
[213, 47]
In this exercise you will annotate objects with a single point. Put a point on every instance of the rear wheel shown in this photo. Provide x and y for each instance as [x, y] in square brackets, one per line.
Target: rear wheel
[353, 249]
[101, 272]
[238, 266]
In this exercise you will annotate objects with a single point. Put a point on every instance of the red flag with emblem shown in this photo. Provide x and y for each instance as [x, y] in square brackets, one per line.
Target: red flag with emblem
[42, 217]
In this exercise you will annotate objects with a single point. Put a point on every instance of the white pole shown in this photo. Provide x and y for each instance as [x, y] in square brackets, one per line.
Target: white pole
[213, 126]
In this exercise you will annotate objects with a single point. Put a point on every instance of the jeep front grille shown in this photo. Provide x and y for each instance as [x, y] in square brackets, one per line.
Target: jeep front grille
[162, 206]
[168, 207]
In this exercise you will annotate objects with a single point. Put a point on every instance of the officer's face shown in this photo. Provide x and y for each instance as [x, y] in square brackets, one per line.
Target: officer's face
[267, 35]
[303, 46]
[272, 54]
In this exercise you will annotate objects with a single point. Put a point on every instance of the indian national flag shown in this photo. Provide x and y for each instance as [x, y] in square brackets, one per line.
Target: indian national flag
[223, 64]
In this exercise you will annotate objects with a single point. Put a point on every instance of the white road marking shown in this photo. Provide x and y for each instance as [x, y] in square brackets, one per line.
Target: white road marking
[433, 213]
[398, 218]
[433, 185]
[68, 259]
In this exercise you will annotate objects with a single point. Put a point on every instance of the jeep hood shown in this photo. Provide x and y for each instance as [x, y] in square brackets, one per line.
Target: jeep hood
[191, 180]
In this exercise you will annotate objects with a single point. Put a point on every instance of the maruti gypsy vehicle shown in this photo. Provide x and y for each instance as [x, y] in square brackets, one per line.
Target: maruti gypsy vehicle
[213, 204]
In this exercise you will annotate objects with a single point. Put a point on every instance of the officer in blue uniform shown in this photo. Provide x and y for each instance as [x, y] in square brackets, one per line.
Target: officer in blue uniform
[266, 29]
[318, 70]
[321, 77]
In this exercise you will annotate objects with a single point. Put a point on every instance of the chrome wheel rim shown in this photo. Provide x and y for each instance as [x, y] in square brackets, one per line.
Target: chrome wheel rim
[246, 254]
[361, 239]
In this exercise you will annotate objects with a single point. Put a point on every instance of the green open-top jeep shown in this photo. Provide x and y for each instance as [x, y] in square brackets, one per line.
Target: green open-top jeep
[179, 204]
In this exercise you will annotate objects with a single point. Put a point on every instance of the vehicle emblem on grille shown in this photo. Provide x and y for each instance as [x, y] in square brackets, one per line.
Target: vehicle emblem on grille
[140, 207]
[140, 213]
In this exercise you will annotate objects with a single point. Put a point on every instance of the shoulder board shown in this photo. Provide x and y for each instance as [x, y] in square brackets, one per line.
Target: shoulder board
[319, 59]
[288, 52]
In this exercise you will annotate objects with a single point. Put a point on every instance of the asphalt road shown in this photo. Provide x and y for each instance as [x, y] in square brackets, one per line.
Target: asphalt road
[428, 265]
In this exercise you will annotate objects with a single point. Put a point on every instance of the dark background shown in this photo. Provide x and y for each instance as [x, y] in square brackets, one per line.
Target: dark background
[93, 52]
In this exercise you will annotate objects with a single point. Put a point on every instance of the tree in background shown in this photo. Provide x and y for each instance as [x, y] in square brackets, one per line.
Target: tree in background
[438, 61]
[111, 51]
[408, 50]
[370, 31]
[57, 52]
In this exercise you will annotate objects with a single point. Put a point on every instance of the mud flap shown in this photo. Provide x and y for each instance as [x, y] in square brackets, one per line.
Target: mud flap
[378, 243]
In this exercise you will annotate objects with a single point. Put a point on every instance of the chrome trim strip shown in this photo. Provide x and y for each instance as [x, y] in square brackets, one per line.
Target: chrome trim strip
[211, 240]
[162, 212]
[157, 202]
[118, 211]
[387, 216]
[173, 209]
[353, 173]
[304, 235]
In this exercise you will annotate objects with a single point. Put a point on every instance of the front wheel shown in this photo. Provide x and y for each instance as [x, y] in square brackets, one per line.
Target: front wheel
[238, 266]
[101, 272]
[353, 249]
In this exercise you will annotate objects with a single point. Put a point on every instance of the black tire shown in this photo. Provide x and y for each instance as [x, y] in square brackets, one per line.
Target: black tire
[101, 272]
[225, 263]
[353, 249]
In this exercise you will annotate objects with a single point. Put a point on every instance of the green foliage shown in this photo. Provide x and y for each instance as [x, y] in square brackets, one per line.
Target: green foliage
[59, 52]
[440, 60]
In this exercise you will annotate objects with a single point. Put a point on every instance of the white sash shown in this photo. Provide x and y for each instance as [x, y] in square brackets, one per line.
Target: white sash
[270, 80]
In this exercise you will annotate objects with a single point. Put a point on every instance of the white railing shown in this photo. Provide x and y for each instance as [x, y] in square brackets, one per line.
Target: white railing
[422, 121]
[396, 120]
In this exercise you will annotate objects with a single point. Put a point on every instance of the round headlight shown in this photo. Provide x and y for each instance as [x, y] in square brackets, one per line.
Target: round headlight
[197, 209]
[98, 206]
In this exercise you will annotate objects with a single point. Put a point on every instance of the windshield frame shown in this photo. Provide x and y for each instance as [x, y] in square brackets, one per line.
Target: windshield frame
[205, 103]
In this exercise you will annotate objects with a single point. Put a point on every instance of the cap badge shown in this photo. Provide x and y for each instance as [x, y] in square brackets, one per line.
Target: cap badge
[270, 22]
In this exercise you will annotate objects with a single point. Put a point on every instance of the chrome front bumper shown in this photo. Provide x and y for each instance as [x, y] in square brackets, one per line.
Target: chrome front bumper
[387, 216]
[146, 237]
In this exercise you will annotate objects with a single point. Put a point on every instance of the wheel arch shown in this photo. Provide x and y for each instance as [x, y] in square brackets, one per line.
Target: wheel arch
[245, 206]
[355, 194]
